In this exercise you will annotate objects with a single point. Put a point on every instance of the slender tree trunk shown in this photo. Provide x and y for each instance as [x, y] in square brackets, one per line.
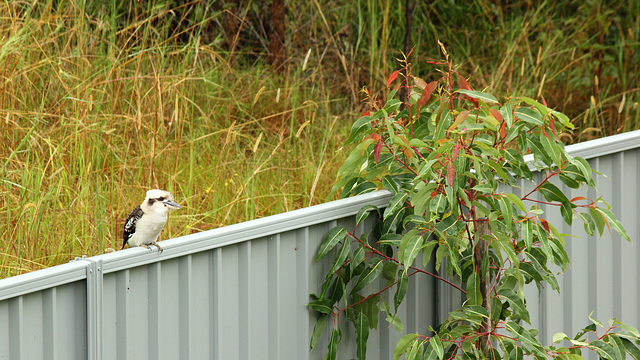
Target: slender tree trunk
[409, 6]
[277, 53]
[480, 252]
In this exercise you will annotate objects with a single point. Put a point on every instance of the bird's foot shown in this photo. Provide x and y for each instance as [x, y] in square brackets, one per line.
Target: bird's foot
[160, 249]
[145, 246]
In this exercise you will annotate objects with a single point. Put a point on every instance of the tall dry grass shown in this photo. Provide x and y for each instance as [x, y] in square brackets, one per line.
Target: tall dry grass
[102, 100]
[94, 113]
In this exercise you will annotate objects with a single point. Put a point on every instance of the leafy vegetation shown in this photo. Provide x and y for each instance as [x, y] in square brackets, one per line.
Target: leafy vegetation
[102, 100]
[453, 159]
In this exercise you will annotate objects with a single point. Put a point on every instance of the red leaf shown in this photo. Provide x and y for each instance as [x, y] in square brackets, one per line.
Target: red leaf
[462, 82]
[393, 76]
[578, 198]
[455, 151]
[426, 93]
[544, 224]
[377, 149]
[366, 113]
[553, 128]
[451, 173]
[503, 129]
[496, 114]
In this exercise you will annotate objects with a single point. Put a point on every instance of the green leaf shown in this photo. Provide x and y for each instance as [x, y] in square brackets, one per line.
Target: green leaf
[566, 211]
[371, 309]
[358, 257]
[396, 203]
[389, 272]
[323, 306]
[603, 349]
[564, 119]
[427, 249]
[340, 258]
[362, 334]
[598, 218]
[436, 344]
[633, 331]
[406, 238]
[614, 223]
[527, 233]
[506, 209]
[402, 345]
[484, 188]
[516, 131]
[516, 354]
[552, 193]
[332, 349]
[334, 236]
[526, 339]
[529, 115]
[401, 289]
[538, 151]
[392, 222]
[424, 168]
[416, 351]
[569, 180]
[368, 276]
[336, 290]
[552, 148]
[516, 304]
[585, 169]
[507, 114]
[391, 239]
[361, 122]
[421, 198]
[413, 249]
[438, 204]
[488, 98]
[321, 323]
[389, 184]
[538, 106]
[631, 349]
[617, 345]
[359, 129]
[515, 200]
[395, 321]
[363, 188]
[476, 310]
[363, 213]
[474, 296]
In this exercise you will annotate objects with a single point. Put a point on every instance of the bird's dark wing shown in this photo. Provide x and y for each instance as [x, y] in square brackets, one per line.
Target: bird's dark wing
[130, 225]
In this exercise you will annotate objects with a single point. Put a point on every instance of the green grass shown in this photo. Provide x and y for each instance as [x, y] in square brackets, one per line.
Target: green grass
[92, 120]
[99, 103]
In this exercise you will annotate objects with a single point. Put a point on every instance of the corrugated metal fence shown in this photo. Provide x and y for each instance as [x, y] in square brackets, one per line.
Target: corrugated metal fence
[239, 292]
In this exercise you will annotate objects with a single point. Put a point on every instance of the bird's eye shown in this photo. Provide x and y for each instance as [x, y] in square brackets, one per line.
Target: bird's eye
[161, 198]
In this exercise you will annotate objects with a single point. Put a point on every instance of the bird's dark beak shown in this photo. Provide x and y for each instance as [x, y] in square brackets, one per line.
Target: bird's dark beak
[171, 205]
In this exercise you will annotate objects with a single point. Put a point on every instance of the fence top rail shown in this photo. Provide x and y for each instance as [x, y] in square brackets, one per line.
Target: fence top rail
[189, 244]
[602, 147]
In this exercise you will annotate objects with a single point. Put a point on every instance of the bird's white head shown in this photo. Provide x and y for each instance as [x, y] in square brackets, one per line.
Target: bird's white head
[159, 201]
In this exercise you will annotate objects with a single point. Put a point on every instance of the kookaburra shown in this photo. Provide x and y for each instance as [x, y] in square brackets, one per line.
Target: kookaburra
[145, 222]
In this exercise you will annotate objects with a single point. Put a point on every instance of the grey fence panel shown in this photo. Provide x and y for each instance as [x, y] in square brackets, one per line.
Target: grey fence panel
[604, 276]
[239, 292]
